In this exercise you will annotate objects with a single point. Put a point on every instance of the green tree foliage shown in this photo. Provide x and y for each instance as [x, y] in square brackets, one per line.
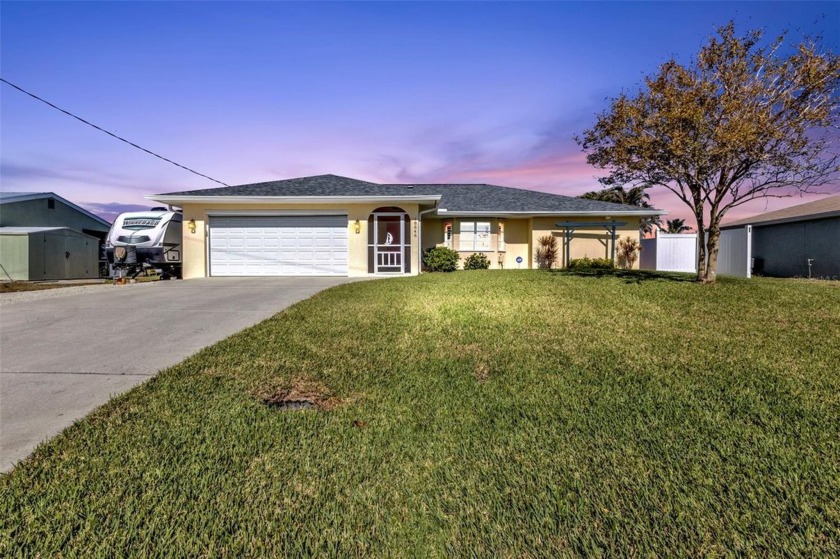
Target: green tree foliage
[676, 226]
[739, 122]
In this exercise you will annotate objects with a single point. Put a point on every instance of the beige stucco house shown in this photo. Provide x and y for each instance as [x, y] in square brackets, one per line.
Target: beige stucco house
[331, 225]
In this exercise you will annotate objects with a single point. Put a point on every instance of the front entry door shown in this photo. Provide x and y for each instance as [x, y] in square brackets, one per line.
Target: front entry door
[389, 243]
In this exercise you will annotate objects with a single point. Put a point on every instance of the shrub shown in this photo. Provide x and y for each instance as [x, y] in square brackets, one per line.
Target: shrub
[546, 252]
[440, 259]
[628, 252]
[476, 261]
[587, 263]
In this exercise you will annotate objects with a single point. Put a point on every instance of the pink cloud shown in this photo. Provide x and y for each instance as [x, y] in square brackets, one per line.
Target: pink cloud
[561, 173]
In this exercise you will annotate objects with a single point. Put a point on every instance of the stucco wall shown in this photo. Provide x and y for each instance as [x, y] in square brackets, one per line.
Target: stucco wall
[195, 244]
[518, 243]
[432, 232]
[515, 235]
[783, 250]
[521, 237]
[591, 243]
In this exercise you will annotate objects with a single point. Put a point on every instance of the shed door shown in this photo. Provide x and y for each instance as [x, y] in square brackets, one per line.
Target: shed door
[68, 256]
[314, 245]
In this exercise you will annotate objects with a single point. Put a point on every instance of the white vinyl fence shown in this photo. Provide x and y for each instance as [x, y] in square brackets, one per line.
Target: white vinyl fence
[669, 253]
[735, 252]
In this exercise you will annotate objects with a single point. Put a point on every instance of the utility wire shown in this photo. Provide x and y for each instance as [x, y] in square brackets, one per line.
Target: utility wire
[68, 113]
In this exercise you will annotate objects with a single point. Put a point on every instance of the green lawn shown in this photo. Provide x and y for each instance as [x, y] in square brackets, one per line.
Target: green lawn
[510, 414]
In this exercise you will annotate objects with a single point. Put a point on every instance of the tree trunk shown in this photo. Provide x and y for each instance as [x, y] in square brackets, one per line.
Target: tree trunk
[714, 246]
[701, 250]
[713, 243]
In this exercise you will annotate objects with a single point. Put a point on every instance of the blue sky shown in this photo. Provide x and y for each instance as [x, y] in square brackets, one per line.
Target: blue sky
[393, 92]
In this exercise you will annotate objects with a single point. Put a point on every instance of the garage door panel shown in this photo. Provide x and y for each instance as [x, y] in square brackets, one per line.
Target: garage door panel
[278, 245]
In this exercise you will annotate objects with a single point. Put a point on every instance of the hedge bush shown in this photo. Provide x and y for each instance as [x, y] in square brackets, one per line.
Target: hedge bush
[440, 259]
[586, 263]
[476, 261]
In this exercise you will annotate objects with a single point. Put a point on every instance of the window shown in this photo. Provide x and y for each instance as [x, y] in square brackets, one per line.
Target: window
[475, 235]
[50, 203]
[501, 239]
[447, 234]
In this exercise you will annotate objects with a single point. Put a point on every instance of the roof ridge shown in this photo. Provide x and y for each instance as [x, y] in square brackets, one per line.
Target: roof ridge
[308, 177]
[13, 197]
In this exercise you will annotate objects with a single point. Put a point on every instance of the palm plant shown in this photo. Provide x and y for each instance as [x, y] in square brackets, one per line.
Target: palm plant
[546, 253]
[628, 252]
[676, 225]
[636, 196]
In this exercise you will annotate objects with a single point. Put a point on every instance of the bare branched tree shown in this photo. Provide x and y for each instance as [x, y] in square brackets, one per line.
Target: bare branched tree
[739, 123]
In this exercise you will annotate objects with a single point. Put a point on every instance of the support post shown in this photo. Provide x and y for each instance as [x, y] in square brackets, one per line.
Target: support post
[571, 226]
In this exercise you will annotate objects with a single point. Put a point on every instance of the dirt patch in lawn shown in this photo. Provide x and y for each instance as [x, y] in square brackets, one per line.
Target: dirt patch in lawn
[482, 372]
[301, 394]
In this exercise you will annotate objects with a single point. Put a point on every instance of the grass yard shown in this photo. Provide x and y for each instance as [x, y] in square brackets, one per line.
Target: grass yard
[510, 414]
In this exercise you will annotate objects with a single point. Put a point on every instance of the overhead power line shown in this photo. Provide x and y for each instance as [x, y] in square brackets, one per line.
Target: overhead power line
[132, 144]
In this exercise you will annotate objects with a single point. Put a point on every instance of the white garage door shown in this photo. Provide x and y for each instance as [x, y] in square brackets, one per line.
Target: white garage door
[314, 245]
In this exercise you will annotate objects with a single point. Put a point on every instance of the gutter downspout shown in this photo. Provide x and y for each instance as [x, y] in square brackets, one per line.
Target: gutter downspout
[420, 235]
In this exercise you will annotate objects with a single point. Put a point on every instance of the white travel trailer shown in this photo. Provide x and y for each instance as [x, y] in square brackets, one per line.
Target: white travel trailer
[150, 239]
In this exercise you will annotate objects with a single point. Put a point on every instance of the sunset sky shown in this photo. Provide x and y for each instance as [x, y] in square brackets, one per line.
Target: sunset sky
[386, 92]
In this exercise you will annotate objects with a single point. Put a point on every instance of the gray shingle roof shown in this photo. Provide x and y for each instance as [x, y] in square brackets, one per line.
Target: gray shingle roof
[15, 197]
[818, 209]
[321, 185]
[455, 198]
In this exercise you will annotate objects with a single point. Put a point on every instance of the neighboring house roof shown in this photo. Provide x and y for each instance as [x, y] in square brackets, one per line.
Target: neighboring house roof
[453, 199]
[14, 230]
[11, 197]
[818, 209]
[20, 231]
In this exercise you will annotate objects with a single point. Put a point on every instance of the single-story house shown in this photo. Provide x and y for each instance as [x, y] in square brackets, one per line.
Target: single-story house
[799, 241]
[46, 237]
[332, 225]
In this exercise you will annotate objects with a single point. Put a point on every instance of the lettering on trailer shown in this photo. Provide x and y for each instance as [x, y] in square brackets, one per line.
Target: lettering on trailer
[138, 223]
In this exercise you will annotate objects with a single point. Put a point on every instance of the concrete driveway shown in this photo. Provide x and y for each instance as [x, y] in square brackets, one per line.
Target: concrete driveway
[67, 351]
